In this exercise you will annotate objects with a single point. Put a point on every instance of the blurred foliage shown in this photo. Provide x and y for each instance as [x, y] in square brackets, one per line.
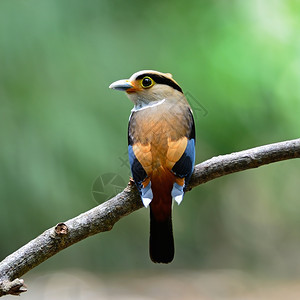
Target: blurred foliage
[61, 127]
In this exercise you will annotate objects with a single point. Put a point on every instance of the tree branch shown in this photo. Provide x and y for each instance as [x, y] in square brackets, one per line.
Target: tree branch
[103, 217]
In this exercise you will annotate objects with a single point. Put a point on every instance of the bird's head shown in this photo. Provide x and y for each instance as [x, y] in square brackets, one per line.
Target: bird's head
[148, 86]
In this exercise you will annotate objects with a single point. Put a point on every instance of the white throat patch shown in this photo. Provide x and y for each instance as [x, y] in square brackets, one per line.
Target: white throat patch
[143, 105]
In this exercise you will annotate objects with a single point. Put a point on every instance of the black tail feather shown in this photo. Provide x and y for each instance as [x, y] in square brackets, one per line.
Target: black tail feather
[161, 240]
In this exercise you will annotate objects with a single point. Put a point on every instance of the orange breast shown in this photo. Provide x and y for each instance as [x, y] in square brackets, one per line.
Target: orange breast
[159, 136]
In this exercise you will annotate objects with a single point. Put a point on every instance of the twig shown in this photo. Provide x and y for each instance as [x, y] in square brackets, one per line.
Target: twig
[103, 217]
[243, 160]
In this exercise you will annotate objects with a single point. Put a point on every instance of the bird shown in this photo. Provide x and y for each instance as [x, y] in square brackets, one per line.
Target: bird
[161, 149]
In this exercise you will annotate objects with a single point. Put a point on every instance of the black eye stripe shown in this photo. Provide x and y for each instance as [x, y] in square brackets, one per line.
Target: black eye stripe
[162, 80]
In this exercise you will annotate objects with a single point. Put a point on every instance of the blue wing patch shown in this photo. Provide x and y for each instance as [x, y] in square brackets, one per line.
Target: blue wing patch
[139, 175]
[137, 170]
[184, 167]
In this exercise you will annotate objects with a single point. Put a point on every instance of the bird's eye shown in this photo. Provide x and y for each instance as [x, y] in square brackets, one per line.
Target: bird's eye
[147, 82]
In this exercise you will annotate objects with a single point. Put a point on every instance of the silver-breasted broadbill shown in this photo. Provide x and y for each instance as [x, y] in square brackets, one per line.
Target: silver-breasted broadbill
[161, 148]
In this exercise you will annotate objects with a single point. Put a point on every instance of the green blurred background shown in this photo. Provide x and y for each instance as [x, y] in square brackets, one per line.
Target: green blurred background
[61, 128]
